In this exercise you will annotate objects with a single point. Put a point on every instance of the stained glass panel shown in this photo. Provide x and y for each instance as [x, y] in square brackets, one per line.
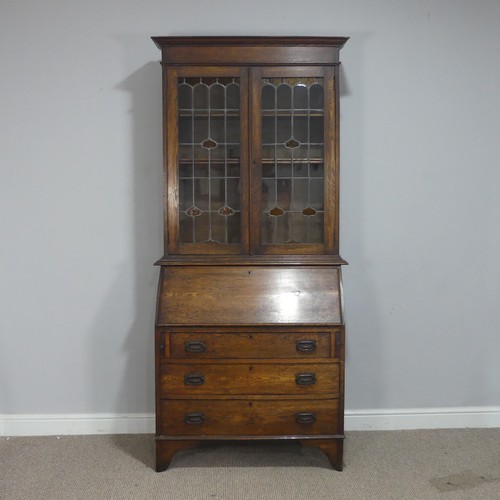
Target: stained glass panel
[292, 160]
[209, 160]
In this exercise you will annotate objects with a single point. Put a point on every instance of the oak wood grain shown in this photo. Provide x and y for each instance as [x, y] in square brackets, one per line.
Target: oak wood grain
[255, 417]
[250, 345]
[256, 378]
[245, 295]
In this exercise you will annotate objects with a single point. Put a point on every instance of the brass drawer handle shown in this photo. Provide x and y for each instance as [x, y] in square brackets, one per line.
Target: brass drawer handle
[195, 346]
[305, 378]
[305, 345]
[194, 379]
[194, 418]
[305, 418]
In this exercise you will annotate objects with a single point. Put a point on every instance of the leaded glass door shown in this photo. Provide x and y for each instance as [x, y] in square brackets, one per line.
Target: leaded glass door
[293, 161]
[207, 123]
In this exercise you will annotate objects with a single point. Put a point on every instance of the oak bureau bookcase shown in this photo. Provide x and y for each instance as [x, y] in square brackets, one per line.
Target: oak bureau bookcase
[249, 324]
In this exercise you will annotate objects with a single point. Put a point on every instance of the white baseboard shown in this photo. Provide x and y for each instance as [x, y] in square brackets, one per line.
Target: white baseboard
[422, 418]
[77, 424]
[355, 420]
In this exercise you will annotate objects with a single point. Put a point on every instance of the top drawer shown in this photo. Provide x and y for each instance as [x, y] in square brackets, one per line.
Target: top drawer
[248, 345]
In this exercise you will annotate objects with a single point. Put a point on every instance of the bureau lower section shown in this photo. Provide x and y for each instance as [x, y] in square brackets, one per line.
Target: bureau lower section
[292, 387]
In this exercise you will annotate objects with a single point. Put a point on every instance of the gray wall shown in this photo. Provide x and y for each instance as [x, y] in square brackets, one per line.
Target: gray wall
[80, 195]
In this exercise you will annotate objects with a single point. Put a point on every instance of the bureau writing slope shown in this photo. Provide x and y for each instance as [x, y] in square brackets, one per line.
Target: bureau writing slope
[249, 324]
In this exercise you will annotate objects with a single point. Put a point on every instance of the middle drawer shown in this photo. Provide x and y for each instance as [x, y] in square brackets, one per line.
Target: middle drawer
[248, 378]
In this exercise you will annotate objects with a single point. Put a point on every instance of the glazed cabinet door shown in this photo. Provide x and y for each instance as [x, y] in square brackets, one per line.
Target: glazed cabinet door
[206, 159]
[293, 160]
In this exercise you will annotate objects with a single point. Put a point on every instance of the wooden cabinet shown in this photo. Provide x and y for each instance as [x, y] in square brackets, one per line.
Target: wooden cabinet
[249, 323]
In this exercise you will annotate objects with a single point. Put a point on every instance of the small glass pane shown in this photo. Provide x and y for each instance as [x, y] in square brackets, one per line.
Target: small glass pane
[185, 129]
[186, 228]
[316, 97]
[217, 169]
[234, 228]
[217, 128]
[186, 170]
[284, 193]
[268, 152]
[233, 170]
[300, 128]
[283, 153]
[233, 151]
[201, 193]
[218, 198]
[285, 170]
[268, 130]
[316, 193]
[301, 152]
[300, 169]
[185, 152]
[218, 226]
[300, 192]
[217, 153]
[185, 96]
[300, 226]
[200, 128]
[284, 128]
[268, 194]
[233, 129]
[233, 193]
[233, 96]
[201, 169]
[217, 96]
[316, 152]
[200, 154]
[268, 170]
[185, 194]
[202, 227]
[316, 228]
[284, 96]
[317, 170]
[316, 129]
[300, 96]
[200, 96]
[268, 97]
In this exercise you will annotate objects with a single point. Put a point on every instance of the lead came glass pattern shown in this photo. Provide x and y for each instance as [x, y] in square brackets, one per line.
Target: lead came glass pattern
[292, 160]
[209, 160]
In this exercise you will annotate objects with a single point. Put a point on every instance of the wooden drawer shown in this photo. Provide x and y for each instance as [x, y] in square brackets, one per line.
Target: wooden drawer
[198, 417]
[245, 378]
[249, 345]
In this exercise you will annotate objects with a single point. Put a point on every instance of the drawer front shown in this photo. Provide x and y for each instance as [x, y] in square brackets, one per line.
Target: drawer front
[190, 417]
[249, 345]
[244, 378]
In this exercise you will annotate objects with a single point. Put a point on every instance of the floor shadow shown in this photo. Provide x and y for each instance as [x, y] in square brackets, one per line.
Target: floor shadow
[250, 454]
[139, 446]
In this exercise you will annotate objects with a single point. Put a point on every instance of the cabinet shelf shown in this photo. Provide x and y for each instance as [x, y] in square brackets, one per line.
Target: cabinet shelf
[199, 113]
[289, 113]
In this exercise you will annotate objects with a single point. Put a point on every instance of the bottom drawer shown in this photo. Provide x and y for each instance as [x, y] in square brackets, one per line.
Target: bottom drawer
[249, 418]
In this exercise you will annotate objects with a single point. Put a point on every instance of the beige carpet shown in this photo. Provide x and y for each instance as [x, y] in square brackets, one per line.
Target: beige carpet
[445, 464]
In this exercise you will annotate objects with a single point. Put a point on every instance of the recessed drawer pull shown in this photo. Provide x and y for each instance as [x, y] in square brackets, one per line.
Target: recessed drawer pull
[305, 418]
[194, 418]
[195, 346]
[305, 378]
[305, 345]
[194, 379]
